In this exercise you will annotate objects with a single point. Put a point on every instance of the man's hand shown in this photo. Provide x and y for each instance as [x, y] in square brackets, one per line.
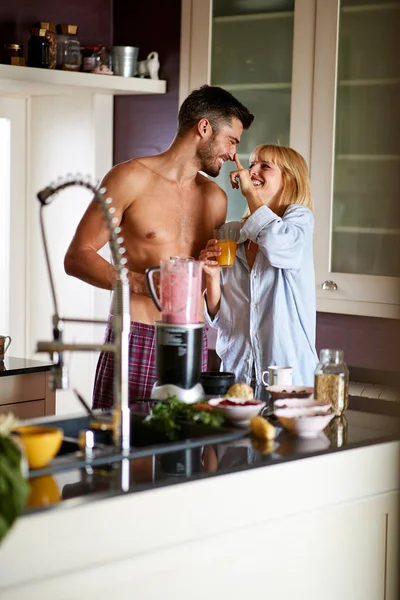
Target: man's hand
[138, 285]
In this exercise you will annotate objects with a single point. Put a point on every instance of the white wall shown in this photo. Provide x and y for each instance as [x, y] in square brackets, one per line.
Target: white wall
[61, 135]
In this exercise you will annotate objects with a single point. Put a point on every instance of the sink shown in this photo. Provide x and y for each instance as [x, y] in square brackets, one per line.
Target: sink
[68, 446]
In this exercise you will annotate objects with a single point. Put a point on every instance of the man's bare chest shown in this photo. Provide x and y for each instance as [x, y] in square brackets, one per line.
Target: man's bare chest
[169, 218]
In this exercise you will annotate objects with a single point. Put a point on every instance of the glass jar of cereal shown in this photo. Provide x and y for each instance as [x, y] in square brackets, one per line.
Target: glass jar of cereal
[331, 381]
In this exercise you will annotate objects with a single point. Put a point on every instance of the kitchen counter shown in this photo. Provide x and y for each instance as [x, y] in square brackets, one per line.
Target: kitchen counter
[25, 389]
[310, 519]
[179, 462]
[22, 366]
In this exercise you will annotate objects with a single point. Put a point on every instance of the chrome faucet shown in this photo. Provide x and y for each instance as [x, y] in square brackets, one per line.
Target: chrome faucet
[120, 319]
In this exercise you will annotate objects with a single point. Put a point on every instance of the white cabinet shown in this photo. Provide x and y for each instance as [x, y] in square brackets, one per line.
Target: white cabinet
[323, 76]
[355, 160]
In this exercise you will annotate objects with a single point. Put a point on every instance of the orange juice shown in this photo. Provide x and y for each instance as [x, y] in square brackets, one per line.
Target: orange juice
[228, 252]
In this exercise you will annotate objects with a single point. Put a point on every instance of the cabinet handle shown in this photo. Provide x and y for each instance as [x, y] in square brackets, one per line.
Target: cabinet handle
[329, 285]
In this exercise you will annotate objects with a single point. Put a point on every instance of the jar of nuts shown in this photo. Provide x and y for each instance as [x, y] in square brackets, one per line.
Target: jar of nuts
[331, 381]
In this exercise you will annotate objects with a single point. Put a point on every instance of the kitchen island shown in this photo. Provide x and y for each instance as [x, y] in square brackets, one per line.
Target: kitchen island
[313, 519]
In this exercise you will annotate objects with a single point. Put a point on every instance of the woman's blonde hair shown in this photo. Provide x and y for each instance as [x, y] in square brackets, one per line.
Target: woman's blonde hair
[296, 188]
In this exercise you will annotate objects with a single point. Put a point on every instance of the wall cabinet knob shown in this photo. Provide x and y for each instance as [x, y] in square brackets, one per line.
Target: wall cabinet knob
[329, 285]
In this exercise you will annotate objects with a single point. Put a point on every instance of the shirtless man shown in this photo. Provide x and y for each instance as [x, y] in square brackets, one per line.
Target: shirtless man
[165, 208]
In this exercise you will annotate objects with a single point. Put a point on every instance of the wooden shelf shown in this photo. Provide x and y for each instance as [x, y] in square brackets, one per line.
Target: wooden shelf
[368, 82]
[366, 230]
[369, 157]
[28, 81]
[370, 7]
[254, 17]
[244, 87]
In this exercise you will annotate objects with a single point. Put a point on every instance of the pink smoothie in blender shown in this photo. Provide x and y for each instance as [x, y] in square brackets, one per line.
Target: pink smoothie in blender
[180, 286]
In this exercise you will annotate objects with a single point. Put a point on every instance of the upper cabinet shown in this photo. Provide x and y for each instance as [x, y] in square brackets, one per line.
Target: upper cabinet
[324, 77]
[355, 162]
[247, 47]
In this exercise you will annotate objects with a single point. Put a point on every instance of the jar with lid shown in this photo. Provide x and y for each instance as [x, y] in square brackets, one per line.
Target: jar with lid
[69, 56]
[51, 38]
[103, 62]
[15, 54]
[90, 58]
[38, 49]
[331, 380]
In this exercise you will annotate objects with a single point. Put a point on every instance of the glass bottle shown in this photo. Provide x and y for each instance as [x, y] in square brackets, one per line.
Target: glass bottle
[51, 38]
[38, 49]
[69, 56]
[331, 381]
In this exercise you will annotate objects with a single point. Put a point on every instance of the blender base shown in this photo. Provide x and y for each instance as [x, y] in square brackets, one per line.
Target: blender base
[194, 394]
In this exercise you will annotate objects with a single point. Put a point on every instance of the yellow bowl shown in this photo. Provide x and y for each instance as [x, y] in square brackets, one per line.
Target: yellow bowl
[40, 443]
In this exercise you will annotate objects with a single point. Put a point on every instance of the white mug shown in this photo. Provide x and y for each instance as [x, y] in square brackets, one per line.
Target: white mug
[277, 376]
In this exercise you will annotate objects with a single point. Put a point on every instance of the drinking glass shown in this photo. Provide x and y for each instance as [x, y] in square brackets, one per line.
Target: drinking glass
[228, 244]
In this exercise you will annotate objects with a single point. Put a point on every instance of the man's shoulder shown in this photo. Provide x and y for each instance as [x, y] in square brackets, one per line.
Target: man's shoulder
[134, 166]
[209, 186]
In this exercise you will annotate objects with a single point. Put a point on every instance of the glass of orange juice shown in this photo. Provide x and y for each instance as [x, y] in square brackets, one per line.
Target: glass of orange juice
[227, 242]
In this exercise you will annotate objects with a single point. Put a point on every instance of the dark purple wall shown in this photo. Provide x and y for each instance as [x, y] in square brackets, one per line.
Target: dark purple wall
[368, 343]
[146, 125]
[94, 17]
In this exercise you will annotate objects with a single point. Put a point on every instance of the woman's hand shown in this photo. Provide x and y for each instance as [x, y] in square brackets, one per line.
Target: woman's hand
[209, 256]
[241, 176]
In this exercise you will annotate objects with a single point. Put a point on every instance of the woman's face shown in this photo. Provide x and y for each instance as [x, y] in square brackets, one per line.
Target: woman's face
[267, 180]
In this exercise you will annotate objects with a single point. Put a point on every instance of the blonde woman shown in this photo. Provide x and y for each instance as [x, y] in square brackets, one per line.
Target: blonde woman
[264, 306]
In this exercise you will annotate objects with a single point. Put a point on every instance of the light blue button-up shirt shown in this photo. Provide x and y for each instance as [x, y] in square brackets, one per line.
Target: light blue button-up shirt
[267, 314]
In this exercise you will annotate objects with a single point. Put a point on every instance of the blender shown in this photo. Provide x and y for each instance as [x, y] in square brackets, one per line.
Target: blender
[179, 334]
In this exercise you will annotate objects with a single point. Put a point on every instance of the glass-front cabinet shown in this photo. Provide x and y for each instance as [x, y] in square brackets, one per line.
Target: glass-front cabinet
[324, 77]
[247, 47]
[251, 56]
[356, 156]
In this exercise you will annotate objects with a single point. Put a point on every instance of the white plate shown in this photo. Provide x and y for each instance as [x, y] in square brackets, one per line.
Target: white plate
[290, 391]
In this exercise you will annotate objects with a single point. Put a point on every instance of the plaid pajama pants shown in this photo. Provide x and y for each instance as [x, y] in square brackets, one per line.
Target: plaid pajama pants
[142, 368]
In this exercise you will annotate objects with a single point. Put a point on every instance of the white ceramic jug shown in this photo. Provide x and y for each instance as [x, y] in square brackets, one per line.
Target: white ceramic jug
[149, 67]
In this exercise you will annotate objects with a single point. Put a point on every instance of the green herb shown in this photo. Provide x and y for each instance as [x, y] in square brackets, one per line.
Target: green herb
[169, 416]
[14, 488]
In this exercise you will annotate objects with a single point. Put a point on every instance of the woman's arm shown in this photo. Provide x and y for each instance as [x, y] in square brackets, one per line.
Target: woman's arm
[281, 239]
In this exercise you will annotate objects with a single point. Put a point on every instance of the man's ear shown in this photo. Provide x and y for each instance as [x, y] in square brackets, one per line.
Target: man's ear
[204, 128]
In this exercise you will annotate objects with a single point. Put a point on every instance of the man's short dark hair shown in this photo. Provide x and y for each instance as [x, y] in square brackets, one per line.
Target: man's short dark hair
[212, 103]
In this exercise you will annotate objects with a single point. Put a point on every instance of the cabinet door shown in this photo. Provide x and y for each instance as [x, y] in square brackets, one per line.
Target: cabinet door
[262, 52]
[355, 163]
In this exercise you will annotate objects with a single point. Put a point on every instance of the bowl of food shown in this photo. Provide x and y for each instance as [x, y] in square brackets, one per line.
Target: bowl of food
[237, 411]
[289, 391]
[40, 443]
[302, 403]
[305, 422]
[216, 383]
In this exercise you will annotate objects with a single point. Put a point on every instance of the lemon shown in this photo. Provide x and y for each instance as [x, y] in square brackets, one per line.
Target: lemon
[262, 429]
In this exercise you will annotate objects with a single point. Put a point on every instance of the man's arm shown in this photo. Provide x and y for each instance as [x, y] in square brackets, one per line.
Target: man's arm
[82, 259]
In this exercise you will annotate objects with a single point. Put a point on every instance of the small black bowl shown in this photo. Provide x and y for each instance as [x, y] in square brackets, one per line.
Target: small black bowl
[216, 383]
